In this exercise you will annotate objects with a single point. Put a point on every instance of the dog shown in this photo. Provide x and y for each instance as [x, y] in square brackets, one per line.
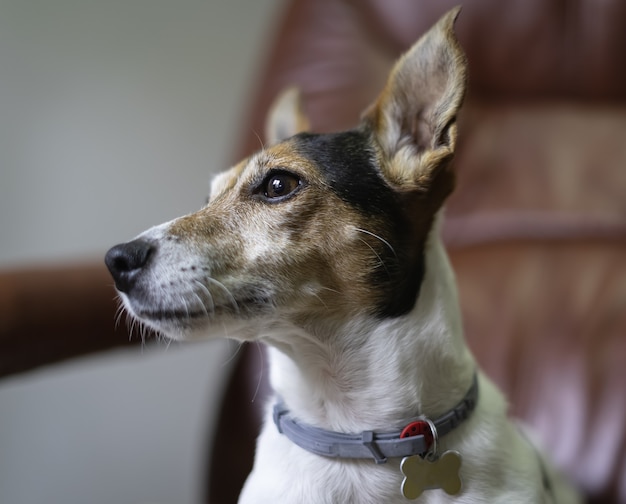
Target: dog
[326, 247]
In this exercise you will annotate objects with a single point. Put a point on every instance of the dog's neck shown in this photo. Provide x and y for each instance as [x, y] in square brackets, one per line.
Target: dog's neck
[378, 374]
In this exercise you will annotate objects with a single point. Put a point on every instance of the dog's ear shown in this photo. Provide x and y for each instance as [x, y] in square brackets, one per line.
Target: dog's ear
[414, 118]
[286, 117]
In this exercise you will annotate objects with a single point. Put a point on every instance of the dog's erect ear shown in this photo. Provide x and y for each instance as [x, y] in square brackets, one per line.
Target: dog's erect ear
[286, 117]
[414, 118]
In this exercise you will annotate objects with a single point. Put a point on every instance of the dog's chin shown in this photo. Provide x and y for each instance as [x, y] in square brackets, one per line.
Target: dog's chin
[189, 325]
[179, 329]
[208, 330]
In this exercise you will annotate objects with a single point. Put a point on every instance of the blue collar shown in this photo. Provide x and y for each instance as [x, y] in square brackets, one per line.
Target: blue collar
[415, 439]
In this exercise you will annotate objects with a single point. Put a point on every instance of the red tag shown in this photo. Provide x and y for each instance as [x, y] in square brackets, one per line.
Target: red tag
[416, 428]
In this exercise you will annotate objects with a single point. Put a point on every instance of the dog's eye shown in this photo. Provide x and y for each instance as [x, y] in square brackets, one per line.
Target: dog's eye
[280, 185]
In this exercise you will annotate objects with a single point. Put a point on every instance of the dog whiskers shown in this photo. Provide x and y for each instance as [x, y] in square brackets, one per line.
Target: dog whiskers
[201, 303]
[130, 325]
[329, 289]
[232, 299]
[258, 137]
[319, 299]
[184, 304]
[142, 332]
[238, 346]
[209, 297]
[260, 380]
[133, 323]
[361, 230]
[167, 345]
[119, 312]
[381, 262]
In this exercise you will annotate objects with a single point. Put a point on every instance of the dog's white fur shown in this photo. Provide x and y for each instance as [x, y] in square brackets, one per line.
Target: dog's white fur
[388, 371]
[345, 373]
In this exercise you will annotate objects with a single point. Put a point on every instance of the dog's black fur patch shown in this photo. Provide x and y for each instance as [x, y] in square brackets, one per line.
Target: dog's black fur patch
[348, 163]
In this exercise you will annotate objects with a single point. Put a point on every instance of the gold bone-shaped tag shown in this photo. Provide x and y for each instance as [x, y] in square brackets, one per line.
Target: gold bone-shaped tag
[423, 474]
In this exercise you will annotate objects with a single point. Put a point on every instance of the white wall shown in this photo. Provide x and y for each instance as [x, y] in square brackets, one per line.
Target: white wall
[113, 114]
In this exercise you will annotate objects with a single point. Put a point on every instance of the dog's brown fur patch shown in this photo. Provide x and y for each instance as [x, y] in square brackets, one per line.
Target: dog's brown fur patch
[327, 261]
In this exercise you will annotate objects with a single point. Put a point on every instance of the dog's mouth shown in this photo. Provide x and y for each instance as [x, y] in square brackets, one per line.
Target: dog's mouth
[192, 323]
[190, 315]
[171, 315]
[242, 308]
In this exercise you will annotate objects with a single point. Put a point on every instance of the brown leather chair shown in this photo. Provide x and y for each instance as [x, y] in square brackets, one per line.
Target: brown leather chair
[536, 229]
[52, 313]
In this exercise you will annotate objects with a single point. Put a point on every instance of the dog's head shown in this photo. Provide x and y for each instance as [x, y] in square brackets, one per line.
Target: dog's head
[314, 226]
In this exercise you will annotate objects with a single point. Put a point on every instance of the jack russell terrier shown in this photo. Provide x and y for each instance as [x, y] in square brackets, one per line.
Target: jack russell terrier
[326, 247]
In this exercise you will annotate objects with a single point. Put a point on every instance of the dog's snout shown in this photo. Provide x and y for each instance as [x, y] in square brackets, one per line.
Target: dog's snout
[125, 262]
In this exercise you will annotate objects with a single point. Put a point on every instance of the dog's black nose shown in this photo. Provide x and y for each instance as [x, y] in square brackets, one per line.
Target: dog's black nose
[125, 262]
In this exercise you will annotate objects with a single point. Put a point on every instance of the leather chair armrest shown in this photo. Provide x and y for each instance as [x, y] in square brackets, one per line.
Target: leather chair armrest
[48, 314]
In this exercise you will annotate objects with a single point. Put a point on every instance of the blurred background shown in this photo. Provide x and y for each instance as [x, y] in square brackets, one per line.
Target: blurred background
[113, 115]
